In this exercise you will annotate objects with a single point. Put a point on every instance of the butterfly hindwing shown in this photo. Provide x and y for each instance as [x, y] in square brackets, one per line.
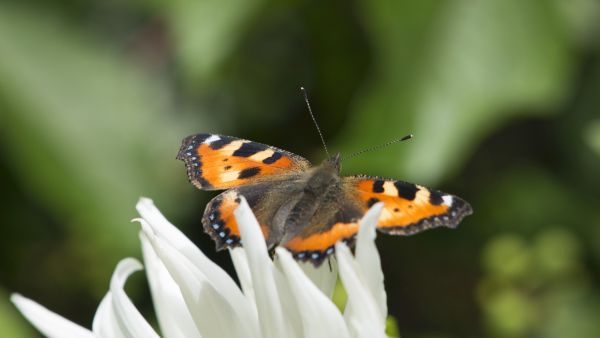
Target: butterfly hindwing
[265, 199]
[408, 208]
[334, 221]
[219, 221]
[217, 162]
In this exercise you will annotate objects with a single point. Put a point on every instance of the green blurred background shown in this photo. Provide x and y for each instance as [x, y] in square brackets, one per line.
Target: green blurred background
[503, 98]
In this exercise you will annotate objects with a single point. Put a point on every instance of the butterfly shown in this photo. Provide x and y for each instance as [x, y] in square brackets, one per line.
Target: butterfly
[304, 208]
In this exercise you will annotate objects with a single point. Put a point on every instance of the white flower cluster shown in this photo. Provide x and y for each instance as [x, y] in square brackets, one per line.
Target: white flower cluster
[193, 297]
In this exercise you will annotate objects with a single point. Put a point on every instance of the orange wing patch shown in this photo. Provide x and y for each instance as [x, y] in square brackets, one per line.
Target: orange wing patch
[220, 223]
[316, 247]
[408, 208]
[220, 162]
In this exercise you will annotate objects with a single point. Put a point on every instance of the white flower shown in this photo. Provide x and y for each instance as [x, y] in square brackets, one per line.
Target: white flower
[193, 297]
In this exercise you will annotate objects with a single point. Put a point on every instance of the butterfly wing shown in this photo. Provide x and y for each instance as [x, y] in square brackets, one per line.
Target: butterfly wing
[335, 220]
[408, 208]
[265, 199]
[217, 162]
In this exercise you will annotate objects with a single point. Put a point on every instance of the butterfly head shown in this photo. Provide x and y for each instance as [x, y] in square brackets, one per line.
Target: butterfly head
[333, 162]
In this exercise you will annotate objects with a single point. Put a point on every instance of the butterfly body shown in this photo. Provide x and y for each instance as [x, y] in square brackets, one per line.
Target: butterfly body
[305, 209]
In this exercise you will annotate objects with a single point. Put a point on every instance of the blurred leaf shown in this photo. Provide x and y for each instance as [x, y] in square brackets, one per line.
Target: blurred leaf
[526, 199]
[510, 313]
[592, 136]
[85, 130]
[546, 246]
[507, 257]
[339, 296]
[577, 318]
[450, 72]
[391, 327]
[11, 323]
[205, 32]
[581, 17]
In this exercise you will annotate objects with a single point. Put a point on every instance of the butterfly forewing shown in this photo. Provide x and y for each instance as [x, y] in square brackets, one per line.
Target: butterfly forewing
[408, 208]
[217, 162]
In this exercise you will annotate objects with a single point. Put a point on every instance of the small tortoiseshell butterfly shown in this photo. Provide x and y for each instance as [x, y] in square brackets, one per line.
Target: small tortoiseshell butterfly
[303, 208]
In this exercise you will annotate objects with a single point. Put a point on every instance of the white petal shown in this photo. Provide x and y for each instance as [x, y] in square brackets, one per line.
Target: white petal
[242, 270]
[169, 233]
[362, 311]
[212, 273]
[171, 311]
[126, 313]
[289, 307]
[47, 322]
[320, 317]
[324, 276]
[268, 303]
[105, 323]
[212, 314]
[367, 257]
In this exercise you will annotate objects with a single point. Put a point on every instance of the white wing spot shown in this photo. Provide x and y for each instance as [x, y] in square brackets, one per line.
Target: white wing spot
[211, 139]
[447, 200]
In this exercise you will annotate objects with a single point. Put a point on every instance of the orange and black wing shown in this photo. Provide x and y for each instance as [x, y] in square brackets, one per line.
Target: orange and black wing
[220, 223]
[216, 162]
[265, 199]
[316, 241]
[408, 208]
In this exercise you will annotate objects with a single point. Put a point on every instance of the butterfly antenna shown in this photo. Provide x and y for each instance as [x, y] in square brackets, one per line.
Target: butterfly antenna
[380, 146]
[314, 120]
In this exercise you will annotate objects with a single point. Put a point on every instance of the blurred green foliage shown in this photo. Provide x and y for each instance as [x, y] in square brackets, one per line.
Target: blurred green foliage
[502, 97]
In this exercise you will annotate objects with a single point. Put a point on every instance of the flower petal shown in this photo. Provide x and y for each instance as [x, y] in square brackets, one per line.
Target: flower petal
[367, 257]
[320, 317]
[47, 322]
[242, 270]
[126, 313]
[105, 323]
[212, 314]
[324, 277]
[362, 311]
[162, 228]
[289, 307]
[171, 311]
[220, 281]
[262, 271]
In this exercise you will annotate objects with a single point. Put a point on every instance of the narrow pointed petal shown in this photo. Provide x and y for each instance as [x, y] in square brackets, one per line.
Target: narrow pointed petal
[362, 312]
[47, 322]
[125, 311]
[320, 317]
[268, 303]
[212, 314]
[169, 233]
[105, 323]
[159, 227]
[324, 276]
[367, 257]
[289, 307]
[242, 270]
[171, 311]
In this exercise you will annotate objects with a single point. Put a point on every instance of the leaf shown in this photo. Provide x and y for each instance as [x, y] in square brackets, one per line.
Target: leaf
[206, 32]
[85, 130]
[452, 72]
